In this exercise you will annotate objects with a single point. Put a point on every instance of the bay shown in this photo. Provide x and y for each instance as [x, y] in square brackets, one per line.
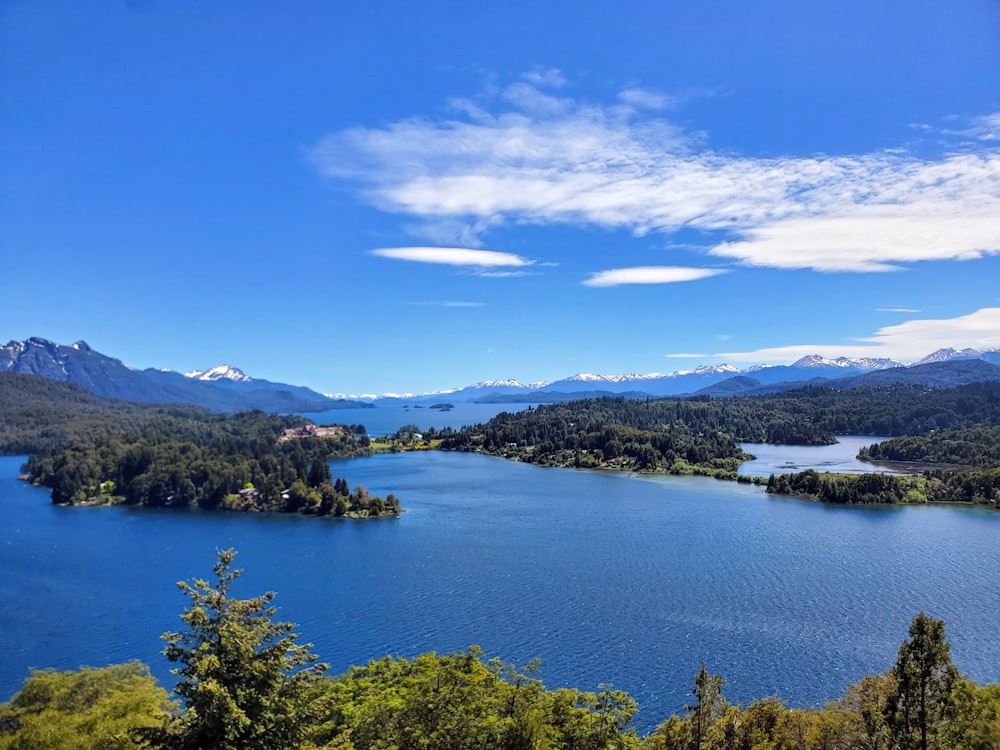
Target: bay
[608, 578]
[839, 458]
[386, 419]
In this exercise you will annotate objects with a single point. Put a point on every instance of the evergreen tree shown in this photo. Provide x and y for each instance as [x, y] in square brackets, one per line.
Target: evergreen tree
[922, 712]
[244, 680]
[319, 473]
[710, 706]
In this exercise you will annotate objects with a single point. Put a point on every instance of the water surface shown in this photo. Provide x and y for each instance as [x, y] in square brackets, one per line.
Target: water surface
[839, 458]
[386, 420]
[608, 578]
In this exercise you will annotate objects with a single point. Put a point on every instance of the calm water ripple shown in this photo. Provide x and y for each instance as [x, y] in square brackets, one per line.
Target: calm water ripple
[607, 578]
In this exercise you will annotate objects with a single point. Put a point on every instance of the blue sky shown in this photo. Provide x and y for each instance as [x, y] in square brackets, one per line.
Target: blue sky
[382, 196]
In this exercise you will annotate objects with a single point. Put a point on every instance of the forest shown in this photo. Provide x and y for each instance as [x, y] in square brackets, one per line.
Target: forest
[974, 446]
[961, 465]
[699, 435]
[246, 683]
[981, 487]
[89, 450]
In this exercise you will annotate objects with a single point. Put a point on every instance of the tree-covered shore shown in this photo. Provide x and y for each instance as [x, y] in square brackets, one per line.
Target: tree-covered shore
[700, 435]
[90, 450]
[246, 683]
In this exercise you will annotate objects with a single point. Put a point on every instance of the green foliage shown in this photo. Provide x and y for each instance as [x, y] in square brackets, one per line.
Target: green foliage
[38, 415]
[698, 435]
[245, 682]
[609, 433]
[926, 708]
[461, 701]
[807, 416]
[185, 457]
[976, 446]
[921, 703]
[83, 710]
[937, 486]
[709, 706]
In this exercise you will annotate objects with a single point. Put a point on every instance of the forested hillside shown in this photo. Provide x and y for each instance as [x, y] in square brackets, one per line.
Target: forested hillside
[969, 472]
[92, 450]
[39, 415]
[975, 446]
[699, 434]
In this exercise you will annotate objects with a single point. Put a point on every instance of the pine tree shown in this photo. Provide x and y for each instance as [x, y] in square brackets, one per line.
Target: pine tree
[244, 680]
[924, 709]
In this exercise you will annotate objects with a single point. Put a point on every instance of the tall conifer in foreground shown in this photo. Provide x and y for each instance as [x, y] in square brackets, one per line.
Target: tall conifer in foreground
[924, 710]
[244, 680]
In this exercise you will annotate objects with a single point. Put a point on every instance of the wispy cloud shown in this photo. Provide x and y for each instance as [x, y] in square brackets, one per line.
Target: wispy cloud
[527, 156]
[905, 342]
[650, 275]
[502, 274]
[451, 303]
[897, 309]
[548, 77]
[645, 99]
[985, 128]
[453, 256]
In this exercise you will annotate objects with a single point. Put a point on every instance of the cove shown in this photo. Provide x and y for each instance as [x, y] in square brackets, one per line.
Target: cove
[607, 578]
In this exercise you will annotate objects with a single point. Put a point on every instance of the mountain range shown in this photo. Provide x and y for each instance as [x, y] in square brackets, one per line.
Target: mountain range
[227, 388]
[728, 380]
[222, 388]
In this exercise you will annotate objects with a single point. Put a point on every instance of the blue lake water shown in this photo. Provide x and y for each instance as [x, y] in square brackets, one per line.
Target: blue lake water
[607, 578]
[840, 458]
[385, 420]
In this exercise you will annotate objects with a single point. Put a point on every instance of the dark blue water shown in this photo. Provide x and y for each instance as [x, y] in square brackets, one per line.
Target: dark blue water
[607, 578]
[385, 420]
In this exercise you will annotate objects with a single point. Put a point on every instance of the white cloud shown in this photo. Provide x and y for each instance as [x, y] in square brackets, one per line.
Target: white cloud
[649, 275]
[453, 256]
[906, 342]
[645, 99]
[452, 303]
[532, 158]
[502, 274]
[986, 128]
[550, 77]
[897, 309]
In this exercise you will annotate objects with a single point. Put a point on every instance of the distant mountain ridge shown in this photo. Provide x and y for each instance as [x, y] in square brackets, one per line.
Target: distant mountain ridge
[222, 388]
[227, 388]
[704, 379]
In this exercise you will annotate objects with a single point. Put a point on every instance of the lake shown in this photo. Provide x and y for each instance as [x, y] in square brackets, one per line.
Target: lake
[386, 420]
[840, 458]
[607, 578]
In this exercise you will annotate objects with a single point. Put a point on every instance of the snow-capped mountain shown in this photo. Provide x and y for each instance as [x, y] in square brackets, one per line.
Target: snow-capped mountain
[502, 387]
[227, 388]
[222, 388]
[508, 383]
[589, 377]
[948, 354]
[220, 372]
[809, 368]
[864, 363]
